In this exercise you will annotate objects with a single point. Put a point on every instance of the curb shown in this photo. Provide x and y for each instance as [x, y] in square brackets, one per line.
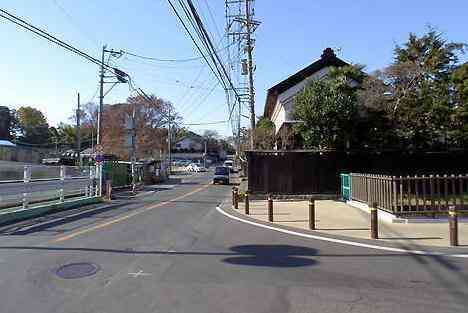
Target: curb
[23, 214]
[316, 235]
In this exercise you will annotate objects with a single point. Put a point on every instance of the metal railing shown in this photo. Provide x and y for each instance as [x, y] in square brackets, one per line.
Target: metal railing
[411, 194]
[22, 186]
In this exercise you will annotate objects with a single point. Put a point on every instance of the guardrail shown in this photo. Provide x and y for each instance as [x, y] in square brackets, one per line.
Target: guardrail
[411, 194]
[21, 186]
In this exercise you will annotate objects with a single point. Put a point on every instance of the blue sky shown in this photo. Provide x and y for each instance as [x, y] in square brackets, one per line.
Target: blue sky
[292, 35]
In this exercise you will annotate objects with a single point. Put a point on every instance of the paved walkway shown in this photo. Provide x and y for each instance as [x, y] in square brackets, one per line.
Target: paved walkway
[338, 218]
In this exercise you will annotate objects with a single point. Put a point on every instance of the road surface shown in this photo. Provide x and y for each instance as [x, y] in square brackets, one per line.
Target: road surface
[171, 251]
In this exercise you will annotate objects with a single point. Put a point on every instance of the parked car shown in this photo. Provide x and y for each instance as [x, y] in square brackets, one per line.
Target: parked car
[221, 175]
[194, 167]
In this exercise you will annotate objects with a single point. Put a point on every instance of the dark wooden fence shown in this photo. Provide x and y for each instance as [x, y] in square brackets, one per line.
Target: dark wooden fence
[317, 172]
[411, 194]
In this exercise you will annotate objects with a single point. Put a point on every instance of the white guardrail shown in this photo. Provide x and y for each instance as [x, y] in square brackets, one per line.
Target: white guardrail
[22, 185]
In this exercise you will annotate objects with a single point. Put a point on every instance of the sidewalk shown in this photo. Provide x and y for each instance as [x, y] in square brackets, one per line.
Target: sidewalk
[338, 218]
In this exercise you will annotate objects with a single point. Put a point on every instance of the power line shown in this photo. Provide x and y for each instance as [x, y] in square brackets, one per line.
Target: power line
[193, 39]
[72, 21]
[183, 60]
[44, 34]
[207, 123]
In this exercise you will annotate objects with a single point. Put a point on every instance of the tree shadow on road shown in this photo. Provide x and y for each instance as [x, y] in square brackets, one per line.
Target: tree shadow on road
[272, 256]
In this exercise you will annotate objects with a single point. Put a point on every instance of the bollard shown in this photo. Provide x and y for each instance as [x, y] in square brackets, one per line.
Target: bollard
[374, 221]
[236, 199]
[270, 208]
[312, 214]
[109, 189]
[247, 204]
[233, 195]
[453, 225]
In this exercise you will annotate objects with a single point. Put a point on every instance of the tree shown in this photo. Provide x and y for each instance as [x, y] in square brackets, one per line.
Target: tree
[211, 137]
[151, 115]
[414, 95]
[326, 110]
[265, 134]
[460, 82]
[33, 125]
[5, 123]
[459, 131]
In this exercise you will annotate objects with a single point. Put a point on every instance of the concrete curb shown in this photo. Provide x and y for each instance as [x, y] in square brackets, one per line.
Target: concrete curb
[23, 214]
[455, 252]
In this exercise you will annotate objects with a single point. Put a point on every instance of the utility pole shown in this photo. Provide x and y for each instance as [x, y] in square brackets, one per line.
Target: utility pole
[121, 77]
[78, 130]
[99, 123]
[240, 29]
[133, 153]
[204, 156]
[169, 141]
[249, 48]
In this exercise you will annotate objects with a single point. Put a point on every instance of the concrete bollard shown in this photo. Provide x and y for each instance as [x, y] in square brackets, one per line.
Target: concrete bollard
[270, 209]
[374, 221]
[453, 225]
[247, 204]
[109, 189]
[312, 214]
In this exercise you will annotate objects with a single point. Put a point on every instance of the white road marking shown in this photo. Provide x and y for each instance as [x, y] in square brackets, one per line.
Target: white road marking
[340, 241]
[139, 273]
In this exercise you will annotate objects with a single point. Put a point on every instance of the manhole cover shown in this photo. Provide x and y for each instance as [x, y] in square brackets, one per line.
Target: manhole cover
[77, 270]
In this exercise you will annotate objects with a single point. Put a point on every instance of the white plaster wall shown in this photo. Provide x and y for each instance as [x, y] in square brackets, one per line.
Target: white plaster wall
[284, 105]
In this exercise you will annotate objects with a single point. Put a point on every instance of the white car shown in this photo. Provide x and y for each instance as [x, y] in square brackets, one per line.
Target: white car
[195, 168]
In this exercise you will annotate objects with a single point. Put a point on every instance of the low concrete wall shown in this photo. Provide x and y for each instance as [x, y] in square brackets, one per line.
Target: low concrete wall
[8, 217]
[20, 154]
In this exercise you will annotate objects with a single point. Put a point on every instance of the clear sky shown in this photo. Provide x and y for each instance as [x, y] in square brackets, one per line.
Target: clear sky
[292, 35]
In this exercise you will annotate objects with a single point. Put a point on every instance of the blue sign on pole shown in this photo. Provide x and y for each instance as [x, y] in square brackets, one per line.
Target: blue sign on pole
[99, 158]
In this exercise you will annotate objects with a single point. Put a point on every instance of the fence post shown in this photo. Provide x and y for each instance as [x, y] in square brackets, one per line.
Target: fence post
[374, 221]
[453, 225]
[62, 180]
[91, 181]
[247, 204]
[270, 208]
[26, 180]
[311, 213]
[109, 189]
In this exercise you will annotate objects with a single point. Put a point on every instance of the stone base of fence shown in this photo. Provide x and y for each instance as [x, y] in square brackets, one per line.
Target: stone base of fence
[322, 196]
[391, 218]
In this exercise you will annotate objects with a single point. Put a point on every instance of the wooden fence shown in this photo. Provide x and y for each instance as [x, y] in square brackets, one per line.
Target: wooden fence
[411, 194]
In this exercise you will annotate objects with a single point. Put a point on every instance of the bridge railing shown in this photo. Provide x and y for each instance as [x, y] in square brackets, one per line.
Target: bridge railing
[27, 185]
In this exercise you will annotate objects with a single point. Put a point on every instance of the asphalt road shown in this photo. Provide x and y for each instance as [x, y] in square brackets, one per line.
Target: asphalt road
[171, 251]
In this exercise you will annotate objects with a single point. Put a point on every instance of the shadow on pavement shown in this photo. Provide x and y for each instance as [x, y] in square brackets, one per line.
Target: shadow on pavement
[49, 221]
[249, 255]
[272, 256]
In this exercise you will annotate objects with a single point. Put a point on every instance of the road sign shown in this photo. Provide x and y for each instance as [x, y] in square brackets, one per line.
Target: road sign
[99, 158]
